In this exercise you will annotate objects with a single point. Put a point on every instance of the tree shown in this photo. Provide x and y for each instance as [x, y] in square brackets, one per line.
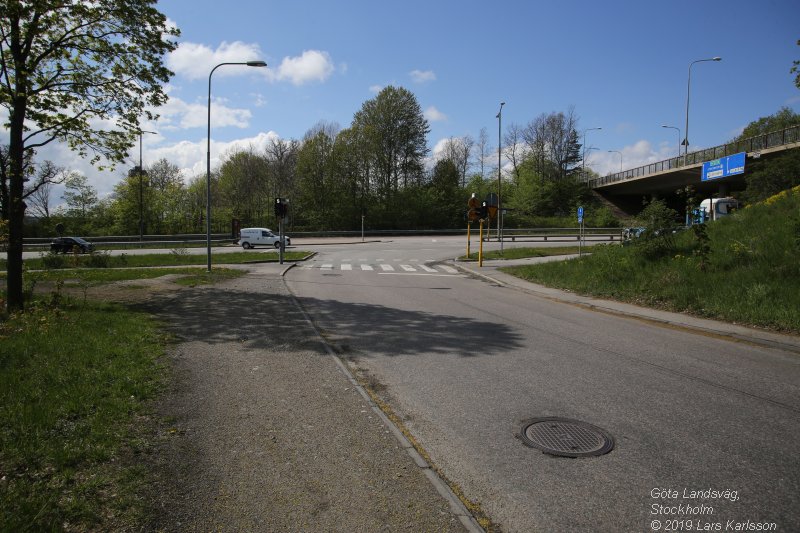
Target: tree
[67, 70]
[778, 121]
[38, 192]
[458, 150]
[552, 142]
[395, 132]
[796, 70]
[768, 176]
[81, 199]
[484, 149]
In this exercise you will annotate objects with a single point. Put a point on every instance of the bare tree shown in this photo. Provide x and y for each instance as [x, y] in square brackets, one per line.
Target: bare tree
[38, 192]
[484, 150]
[512, 148]
[458, 150]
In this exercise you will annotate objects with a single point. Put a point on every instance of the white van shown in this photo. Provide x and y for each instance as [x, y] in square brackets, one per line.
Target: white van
[252, 237]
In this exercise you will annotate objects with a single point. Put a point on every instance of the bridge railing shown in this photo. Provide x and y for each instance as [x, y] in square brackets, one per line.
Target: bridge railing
[773, 139]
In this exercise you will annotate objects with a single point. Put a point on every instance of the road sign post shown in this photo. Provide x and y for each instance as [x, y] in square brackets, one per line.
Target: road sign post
[580, 231]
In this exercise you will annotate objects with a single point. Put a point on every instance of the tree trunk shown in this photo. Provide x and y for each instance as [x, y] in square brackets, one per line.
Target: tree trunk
[16, 208]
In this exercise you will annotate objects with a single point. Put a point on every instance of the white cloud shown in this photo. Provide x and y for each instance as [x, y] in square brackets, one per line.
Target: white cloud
[422, 76]
[195, 61]
[177, 114]
[375, 88]
[190, 157]
[434, 115]
[311, 66]
[636, 155]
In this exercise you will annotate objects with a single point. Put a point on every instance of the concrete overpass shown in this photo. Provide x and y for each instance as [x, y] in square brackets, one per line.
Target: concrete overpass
[662, 179]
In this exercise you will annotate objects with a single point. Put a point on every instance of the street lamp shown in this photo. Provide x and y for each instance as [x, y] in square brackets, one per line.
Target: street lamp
[620, 158]
[141, 187]
[679, 136]
[688, 90]
[208, 155]
[499, 118]
[583, 160]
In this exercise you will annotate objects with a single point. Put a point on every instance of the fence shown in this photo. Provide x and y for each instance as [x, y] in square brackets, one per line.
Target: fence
[774, 139]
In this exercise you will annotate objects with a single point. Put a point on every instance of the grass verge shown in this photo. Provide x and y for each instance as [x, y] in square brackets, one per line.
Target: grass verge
[178, 257]
[74, 383]
[522, 253]
[749, 273]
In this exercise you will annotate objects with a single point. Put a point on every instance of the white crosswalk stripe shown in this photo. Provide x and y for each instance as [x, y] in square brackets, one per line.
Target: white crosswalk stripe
[419, 269]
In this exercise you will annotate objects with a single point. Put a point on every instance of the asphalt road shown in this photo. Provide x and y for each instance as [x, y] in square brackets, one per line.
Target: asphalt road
[466, 363]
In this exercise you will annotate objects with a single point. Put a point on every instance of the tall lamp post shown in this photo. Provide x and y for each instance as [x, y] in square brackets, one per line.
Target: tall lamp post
[688, 92]
[679, 136]
[583, 159]
[208, 155]
[620, 158]
[499, 118]
[141, 186]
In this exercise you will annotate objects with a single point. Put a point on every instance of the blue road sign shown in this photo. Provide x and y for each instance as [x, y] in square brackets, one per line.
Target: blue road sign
[580, 214]
[724, 167]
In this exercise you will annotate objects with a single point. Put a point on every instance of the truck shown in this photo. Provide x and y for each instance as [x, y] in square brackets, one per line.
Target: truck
[720, 207]
[252, 237]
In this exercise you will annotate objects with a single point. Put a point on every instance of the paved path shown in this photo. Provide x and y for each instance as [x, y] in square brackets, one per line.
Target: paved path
[267, 431]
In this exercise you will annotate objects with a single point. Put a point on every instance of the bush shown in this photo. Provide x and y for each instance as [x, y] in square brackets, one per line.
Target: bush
[52, 260]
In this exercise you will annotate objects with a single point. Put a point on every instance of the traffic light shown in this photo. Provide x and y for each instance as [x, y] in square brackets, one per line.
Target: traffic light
[484, 211]
[281, 207]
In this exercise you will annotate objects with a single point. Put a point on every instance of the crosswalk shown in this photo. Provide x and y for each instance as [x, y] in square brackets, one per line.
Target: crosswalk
[385, 268]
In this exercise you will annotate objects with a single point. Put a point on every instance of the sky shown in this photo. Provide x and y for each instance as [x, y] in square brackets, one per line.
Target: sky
[622, 65]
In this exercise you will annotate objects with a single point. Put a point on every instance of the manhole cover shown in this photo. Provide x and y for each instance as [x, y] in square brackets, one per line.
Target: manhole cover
[566, 438]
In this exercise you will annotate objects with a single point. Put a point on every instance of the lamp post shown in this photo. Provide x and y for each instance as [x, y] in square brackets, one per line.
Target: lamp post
[679, 136]
[208, 155]
[141, 187]
[583, 159]
[620, 158]
[688, 92]
[499, 118]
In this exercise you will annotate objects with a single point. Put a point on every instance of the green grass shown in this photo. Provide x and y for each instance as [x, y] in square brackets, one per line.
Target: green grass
[177, 258]
[86, 276]
[521, 253]
[751, 276]
[74, 381]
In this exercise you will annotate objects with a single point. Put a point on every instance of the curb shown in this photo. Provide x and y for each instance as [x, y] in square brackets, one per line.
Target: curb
[457, 507]
[732, 332]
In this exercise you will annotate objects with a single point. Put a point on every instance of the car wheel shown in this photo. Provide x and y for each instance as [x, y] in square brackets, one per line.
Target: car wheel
[246, 245]
[277, 245]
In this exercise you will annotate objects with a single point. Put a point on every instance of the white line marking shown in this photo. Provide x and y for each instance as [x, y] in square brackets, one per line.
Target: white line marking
[326, 267]
[408, 268]
[449, 269]
[367, 267]
[347, 266]
[388, 268]
[426, 268]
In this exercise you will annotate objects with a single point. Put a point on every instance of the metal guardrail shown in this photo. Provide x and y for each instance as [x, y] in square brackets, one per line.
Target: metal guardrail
[132, 241]
[774, 139]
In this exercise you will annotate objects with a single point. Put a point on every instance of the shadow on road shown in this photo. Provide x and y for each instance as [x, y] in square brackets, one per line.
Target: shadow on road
[265, 320]
[389, 331]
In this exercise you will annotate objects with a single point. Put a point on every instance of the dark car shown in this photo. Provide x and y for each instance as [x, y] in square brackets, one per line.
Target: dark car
[71, 244]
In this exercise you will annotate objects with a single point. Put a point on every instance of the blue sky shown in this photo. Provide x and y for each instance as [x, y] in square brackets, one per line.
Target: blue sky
[622, 65]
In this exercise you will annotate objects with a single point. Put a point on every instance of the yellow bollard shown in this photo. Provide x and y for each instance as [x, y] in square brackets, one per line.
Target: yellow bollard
[468, 227]
[480, 250]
